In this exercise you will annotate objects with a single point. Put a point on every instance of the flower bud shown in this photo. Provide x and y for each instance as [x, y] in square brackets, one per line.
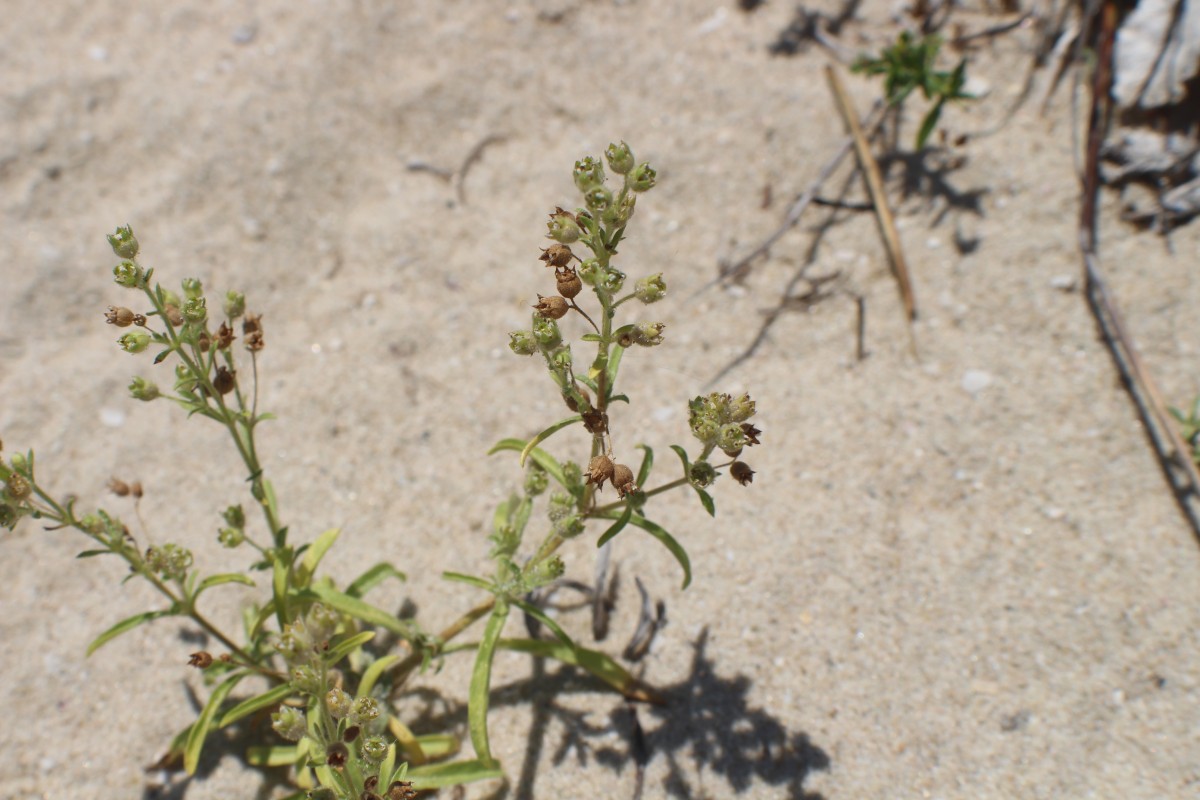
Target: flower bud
[322, 621]
[613, 280]
[17, 487]
[648, 334]
[623, 210]
[560, 358]
[741, 409]
[522, 343]
[591, 272]
[742, 473]
[545, 572]
[185, 381]
[373, 749]
[536, 480]
[231, 537]
[195, 310]
[192, 288]
[567, 282]
[134, 342]
[234, 305]
[619, 157]
[19, 462]
[129, 275]
[364, 710]
[339, 702]
[650, 289]
[598, 199]
[642, 178]
[234, 516]
[306, 678]
[588, 174]
[142, 389]
[569, 526]
[120, 316]
[702, 474]
[553, 307]
[562, 227]
[546, 331]
[731, 439]
[289, 723]
[123, 242]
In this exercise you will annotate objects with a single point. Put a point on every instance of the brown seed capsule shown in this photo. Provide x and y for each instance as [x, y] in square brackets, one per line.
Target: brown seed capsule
[201, 660]
[401, 790]
[553, 307]
[599, 470]
[336, 754]
[135, 489]
[595, 421]
[568, 283]
[371, 783]
[351, 734]
[252, 330]
[173, 314]
[556, 255]
[742, 473]
[224, 380]
[225, 337]
[572, 404]
[733, 453]
[626, 339]
[119, 487]
[121, 317]
[204, 341]
[751, 433]
[622, 478]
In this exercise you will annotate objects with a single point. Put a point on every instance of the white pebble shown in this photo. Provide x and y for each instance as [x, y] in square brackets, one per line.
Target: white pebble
[975, 381]
[112, 417]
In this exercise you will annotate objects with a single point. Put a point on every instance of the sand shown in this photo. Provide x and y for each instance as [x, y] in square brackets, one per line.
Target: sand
[956, 575]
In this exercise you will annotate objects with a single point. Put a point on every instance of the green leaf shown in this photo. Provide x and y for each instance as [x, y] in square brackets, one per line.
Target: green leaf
[481, 680]
[614, 364]
[647, 464]
[501, 515]
[280, 572]
[668, 541]
[356, 608]
[256, 703]
[705, 498]
[126, 625]
[93, 553]
[470, 580]
[545, 619]
[707, 501]
[373, 577]
[372, 673]
[616, 527]
[683, 456]
[199, 732]
[543, 459]
[591, 337]
[929, 123]
[308, 567]
[546, 434]
[435, 776]
[279, 755]
[438, 745]
[347, 646]
[597, 663]
[217, 580]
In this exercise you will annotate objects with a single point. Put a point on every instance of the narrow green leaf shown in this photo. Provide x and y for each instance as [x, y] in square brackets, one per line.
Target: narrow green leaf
[546, 434]
[481, 680]
[683, 456]
[707, 501]
[372, 674]
[260, 619]
[347, 646]
[93, 553]
[435, 776]
[387, 766]
[647, 464]
[929, 123]
[308, 567]
[616, 527]
[280, 570]
[270, 501]
[199, 732]
[668, 541]
[543, 459]
[520, 516]
[279, 755]
[545, 619]
[256, 703]
[373, 577]
[597, 663]
[502, 515]
[470, 580]
[355, 608]
[614, 364]
[439, 745]
[217, 580]
[124, 626]
[590, 337]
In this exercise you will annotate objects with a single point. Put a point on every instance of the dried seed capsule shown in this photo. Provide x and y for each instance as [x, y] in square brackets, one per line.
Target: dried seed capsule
[351, 734]
[622, 478]
[553, 307]
[599, 470]
[336, 754]
[742, 473]
[173, 314]
[120, 316]
[556, 255]
[119, 487]
[252, 330]
[563, 227]
[568, 283]
[401, 790]
[224, 380]
[201, 660]
[751, 433]
[225, 337]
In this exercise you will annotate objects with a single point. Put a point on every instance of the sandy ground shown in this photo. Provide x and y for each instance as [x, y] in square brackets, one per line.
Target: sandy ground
[960, 575]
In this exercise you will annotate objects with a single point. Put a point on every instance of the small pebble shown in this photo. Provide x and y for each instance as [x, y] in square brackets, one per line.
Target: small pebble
[244, 34]
[112, 417]
[1063, 283]
[975, 381]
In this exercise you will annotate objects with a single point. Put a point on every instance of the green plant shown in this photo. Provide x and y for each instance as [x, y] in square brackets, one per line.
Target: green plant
[1189, 427]
[910, 64]
[331, 690]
